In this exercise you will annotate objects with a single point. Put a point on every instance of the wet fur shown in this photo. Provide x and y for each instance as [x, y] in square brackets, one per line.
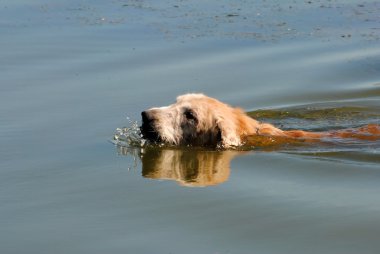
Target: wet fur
[196, 119]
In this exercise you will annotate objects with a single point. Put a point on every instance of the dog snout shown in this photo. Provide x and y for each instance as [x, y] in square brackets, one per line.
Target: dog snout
[146, 117]
[147, 128]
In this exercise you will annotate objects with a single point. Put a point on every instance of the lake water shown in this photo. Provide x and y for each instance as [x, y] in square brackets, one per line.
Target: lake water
[72, 72]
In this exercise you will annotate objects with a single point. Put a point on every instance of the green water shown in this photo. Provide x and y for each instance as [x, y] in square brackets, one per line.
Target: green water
[73, 71]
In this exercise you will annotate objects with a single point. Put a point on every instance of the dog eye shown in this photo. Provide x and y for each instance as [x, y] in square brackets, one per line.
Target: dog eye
[189, 115]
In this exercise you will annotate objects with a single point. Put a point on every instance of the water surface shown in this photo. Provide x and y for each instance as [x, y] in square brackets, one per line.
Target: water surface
[72, 72]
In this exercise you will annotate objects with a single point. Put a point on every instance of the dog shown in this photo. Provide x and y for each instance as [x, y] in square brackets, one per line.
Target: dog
[199, 120]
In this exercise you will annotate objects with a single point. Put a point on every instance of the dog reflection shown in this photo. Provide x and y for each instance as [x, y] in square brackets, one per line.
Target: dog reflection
[192, 168]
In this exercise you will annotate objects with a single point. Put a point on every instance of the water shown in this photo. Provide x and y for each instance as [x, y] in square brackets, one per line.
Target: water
[72, 72]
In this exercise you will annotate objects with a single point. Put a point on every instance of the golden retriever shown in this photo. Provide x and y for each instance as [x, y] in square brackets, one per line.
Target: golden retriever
[196, 119]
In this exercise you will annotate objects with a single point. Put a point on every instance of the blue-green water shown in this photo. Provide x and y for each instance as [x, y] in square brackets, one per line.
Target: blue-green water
[73, 71]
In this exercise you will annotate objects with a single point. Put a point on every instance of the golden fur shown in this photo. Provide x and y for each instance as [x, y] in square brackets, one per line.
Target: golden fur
[196, 119]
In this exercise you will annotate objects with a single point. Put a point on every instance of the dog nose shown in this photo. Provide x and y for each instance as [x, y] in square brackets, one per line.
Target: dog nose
[145, 117]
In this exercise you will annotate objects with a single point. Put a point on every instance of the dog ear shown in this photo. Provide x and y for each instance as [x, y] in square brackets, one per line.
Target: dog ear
[228, 132]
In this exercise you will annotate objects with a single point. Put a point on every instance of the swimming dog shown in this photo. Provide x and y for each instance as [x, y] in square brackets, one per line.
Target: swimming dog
[196, 119]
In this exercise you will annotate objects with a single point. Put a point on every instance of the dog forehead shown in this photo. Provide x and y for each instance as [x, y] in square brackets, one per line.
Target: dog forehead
[193, 105]
[190, 97]
[194, 100]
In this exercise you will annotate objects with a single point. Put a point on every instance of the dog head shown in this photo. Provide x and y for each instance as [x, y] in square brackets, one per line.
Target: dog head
[194, 119]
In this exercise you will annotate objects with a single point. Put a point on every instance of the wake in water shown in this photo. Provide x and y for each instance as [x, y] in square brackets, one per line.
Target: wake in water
[357, 126]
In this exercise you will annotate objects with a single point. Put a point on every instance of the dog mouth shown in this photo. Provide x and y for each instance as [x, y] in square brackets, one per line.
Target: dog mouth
[148, 131]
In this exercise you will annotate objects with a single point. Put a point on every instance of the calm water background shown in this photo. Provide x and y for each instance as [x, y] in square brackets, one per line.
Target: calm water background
[72, 71]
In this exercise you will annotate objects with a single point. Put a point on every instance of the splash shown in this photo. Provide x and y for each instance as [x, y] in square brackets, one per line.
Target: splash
[129, 136]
